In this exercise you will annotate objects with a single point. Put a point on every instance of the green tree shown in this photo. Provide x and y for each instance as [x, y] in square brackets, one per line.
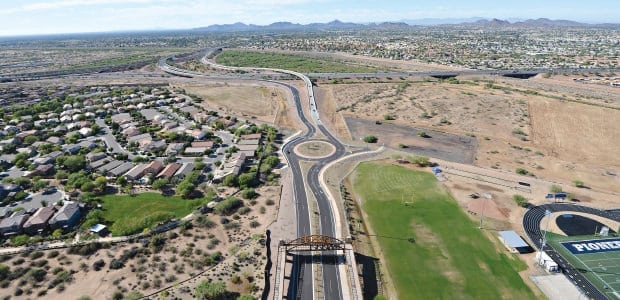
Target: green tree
[185, 189]
[249, 194]
[23, 182]
[74, 163]
[271, 161]
[121, 180]
[420, 160]
[72, 139]
[211, 290]
[30, 139]
[87, 186]
[61, 175]
[57, 233]
[230, 180]
[246, 180]
[39, 184]
[9, 148]
[160, 184]
[101, 183]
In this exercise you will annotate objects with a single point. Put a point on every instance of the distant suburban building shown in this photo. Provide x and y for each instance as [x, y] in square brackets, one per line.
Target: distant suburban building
[8, 190]
[66, 217]
[120, 170]
[203, 144]
[13, 224]
[195, 151]
[39, 221]
[169, 171]
[154, 167]
[174, 148]
[95, 156]
[185, 169]
[136, 172]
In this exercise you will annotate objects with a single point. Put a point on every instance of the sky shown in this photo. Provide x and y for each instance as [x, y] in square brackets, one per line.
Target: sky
[28, 17]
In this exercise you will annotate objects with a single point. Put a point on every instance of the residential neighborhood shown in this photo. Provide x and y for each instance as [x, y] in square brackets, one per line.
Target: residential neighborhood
[59, 154]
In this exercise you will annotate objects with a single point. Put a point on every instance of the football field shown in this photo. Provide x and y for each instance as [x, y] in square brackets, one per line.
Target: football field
[592, 256]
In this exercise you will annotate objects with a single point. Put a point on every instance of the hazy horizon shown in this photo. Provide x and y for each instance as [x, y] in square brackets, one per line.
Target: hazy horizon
[37, 17]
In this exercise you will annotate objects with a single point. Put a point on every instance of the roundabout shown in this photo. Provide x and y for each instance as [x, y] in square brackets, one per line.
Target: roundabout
[314, 149]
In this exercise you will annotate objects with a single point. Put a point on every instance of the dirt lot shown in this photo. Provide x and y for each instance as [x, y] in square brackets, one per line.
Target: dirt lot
[527, 124]
[183, 255]
[436, 144]
[260, 102]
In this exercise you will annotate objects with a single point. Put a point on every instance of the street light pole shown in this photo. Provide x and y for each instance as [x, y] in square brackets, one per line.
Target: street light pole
[544, 241]
[485, 196]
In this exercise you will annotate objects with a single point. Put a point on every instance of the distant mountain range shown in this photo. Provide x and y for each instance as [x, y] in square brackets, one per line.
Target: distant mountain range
[336, 24]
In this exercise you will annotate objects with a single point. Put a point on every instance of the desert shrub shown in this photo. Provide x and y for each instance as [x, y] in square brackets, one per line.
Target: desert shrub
[235, 279]
[556, 189]
[228, 206]
[231, 225]
[36, 275]
[254, 224]
[370, 139]
[420, 160]
[389, 117]
[521, 171]
[36, 254]
[18, 261]
[116, 264]
[520, 200]
[118, 295]
[85, 250]
[53, 254]
[133, 295]
[97, 265]
[205, 222]
[578, 183]
[270, 202]
[244, 210]
[249, 194]
[5, 271]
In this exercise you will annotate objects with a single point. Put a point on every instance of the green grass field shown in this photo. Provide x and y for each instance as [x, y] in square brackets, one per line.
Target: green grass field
[132, 214]
[294, 62]
[601, 269]
[450, 258]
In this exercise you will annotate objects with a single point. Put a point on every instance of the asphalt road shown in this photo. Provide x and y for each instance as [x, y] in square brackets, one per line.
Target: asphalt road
[531, 224]
[301, 285]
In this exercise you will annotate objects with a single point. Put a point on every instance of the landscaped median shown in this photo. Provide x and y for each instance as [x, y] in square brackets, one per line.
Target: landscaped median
[128, 214]
[432, 249]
